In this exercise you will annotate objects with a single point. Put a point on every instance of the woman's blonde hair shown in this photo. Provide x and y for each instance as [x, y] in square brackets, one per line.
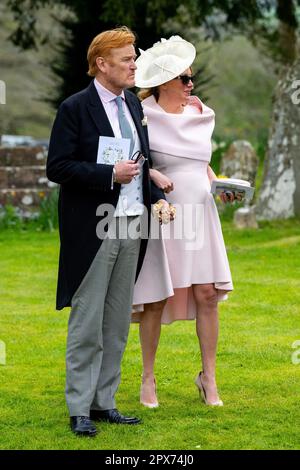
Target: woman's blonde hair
[146, 92]
[102, 44]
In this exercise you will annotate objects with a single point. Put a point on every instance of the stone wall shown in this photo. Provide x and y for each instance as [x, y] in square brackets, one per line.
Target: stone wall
[23, 181]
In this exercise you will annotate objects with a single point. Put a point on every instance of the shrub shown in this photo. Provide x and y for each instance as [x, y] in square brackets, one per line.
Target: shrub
[45, 218]
[10, 217]
[48, 214]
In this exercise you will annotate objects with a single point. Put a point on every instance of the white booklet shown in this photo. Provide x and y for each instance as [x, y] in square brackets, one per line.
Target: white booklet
[231, 184]
[112, 150]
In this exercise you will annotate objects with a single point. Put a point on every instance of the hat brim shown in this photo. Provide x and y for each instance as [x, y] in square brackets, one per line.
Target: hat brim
[163, 62]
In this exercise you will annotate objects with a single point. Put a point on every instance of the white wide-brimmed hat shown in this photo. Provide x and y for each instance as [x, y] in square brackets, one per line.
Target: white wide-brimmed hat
[164, 61]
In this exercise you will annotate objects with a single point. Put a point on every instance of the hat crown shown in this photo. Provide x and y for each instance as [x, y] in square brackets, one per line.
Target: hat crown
[165, 60]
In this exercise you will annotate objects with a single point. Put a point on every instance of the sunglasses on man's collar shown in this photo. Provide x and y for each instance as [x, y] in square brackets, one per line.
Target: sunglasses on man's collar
[138, 157]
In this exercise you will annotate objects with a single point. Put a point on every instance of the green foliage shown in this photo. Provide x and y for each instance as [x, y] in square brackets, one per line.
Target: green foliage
[88, 19]
[227, 211]
[261, 149]
[48, 213]
[148, 19]
[195, 20]
[25, 111]
[9, 218]
[279, 31]
[45, 218]
[242, 92]
[219, 147]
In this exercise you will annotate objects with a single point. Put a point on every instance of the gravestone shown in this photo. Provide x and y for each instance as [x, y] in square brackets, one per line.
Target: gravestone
[240, 161]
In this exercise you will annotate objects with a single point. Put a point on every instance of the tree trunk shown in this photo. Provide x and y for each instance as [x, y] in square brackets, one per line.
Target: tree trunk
[280, 193]
[287, 30]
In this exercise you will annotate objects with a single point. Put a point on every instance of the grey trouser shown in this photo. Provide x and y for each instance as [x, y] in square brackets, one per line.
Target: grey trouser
[99, 324]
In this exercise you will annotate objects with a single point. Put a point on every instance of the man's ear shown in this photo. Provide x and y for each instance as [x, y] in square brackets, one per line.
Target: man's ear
[100, 63]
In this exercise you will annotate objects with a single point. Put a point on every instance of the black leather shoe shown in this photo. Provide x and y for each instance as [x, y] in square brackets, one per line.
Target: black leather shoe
[82, 426]
[113, 416]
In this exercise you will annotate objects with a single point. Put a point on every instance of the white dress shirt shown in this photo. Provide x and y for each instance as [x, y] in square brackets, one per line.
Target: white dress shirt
[131, 195]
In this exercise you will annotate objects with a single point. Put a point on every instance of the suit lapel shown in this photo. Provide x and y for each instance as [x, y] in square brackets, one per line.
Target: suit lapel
[99, 116]
[97, 112]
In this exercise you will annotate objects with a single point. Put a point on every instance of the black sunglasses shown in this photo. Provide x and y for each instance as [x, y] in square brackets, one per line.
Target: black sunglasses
[138, 157]
[185, 79]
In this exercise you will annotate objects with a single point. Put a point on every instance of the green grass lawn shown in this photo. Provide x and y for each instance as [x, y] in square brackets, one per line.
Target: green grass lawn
[257, 380]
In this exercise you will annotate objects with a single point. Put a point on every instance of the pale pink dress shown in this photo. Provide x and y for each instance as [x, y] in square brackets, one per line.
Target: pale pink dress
[191, 249]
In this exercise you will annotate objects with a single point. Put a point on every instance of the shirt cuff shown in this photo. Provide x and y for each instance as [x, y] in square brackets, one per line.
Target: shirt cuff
[113, 178]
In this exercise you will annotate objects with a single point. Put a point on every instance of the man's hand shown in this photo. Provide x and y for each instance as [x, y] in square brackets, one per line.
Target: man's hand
[126, 171]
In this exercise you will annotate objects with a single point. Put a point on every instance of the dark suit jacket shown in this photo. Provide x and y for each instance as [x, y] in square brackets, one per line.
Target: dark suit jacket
[84, 184]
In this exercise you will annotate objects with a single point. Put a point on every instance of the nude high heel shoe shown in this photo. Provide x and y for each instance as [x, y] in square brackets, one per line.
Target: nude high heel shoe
[144, 391]
[202, 392]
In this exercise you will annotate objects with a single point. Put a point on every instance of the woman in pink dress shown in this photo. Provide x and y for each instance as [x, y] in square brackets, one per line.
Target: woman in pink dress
[185, 271]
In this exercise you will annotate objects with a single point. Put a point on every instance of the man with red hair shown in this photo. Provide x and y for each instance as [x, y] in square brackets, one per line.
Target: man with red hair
[97, 269]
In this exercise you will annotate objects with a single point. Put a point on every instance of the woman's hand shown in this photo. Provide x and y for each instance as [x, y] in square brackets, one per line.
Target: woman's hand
[231, 196]
[164, 211]
[161, 181]
[227, 196]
